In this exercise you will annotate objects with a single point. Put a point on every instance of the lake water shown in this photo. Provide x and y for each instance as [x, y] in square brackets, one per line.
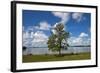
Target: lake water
[46, 51]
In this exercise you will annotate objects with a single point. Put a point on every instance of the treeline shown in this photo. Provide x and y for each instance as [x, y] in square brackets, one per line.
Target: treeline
[81, 46]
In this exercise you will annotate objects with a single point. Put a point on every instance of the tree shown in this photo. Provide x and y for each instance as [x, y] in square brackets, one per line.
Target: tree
[24, 48]
[55, 41]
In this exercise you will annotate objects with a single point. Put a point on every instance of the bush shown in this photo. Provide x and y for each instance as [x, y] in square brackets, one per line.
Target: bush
[24, 48]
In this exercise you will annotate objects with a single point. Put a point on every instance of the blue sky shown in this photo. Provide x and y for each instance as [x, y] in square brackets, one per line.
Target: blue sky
[37, 26]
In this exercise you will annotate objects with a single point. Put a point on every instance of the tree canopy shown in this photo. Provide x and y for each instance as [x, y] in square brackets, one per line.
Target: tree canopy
[56, 41]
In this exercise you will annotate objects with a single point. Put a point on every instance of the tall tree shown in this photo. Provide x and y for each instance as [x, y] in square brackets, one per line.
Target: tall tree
[55, 42]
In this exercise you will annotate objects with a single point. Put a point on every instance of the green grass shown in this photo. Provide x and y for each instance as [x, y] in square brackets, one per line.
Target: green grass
[64, 57]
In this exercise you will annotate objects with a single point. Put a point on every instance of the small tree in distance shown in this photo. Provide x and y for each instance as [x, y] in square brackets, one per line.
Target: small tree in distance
[24, 48]
[55, 40]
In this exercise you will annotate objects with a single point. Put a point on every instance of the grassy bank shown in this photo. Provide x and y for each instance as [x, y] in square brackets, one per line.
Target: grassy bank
[43, 58]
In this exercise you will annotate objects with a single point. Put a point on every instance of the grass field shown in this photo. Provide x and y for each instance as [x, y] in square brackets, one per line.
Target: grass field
[45, 58]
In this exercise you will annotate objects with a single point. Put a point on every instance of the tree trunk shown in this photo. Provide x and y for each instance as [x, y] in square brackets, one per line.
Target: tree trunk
[59, 43]
[60, 48]
[60, 52]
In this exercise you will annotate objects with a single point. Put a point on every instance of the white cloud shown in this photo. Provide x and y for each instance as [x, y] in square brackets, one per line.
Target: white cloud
[79, 41]
[30, 28]
[43, 26]
[40, 39]
[82, 39]
[26, 34]
[27, 38]
[64, 16]
[83, 35]
[53, 30]
[32, 36]
[39, 36]
[31, 39]
[77, 16]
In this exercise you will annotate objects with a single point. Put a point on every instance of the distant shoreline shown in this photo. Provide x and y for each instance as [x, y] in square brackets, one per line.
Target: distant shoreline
[68, 46]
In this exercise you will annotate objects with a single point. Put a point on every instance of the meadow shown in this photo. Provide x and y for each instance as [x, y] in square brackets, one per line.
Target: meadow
[55, 57]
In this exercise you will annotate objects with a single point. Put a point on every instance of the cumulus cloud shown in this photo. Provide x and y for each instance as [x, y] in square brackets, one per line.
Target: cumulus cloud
[39, 36]
[53, 30]
[83, 35]
[35, 34]
[30, 38]
[82, 39]
[77, 16]
[27, 38]
[64, 16]
[26, 34]
[40, 39]
[43, 26]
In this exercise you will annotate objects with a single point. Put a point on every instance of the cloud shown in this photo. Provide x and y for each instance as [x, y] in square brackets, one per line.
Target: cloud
[35, 34]
[53, 30]
[77, 16]
[82, 39]
[27, 38]
[33, 39]
[43, 26]
[83, 35]
[64, 16]
[40, 39]
[39, 36]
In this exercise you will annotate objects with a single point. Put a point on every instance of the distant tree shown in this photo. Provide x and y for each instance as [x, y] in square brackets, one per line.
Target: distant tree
[56, 40]
[24, 48]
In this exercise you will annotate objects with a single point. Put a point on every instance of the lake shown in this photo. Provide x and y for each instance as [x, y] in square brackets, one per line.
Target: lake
[45, 50]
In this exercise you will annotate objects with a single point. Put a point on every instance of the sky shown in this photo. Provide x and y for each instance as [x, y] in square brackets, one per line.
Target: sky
[38, 26]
